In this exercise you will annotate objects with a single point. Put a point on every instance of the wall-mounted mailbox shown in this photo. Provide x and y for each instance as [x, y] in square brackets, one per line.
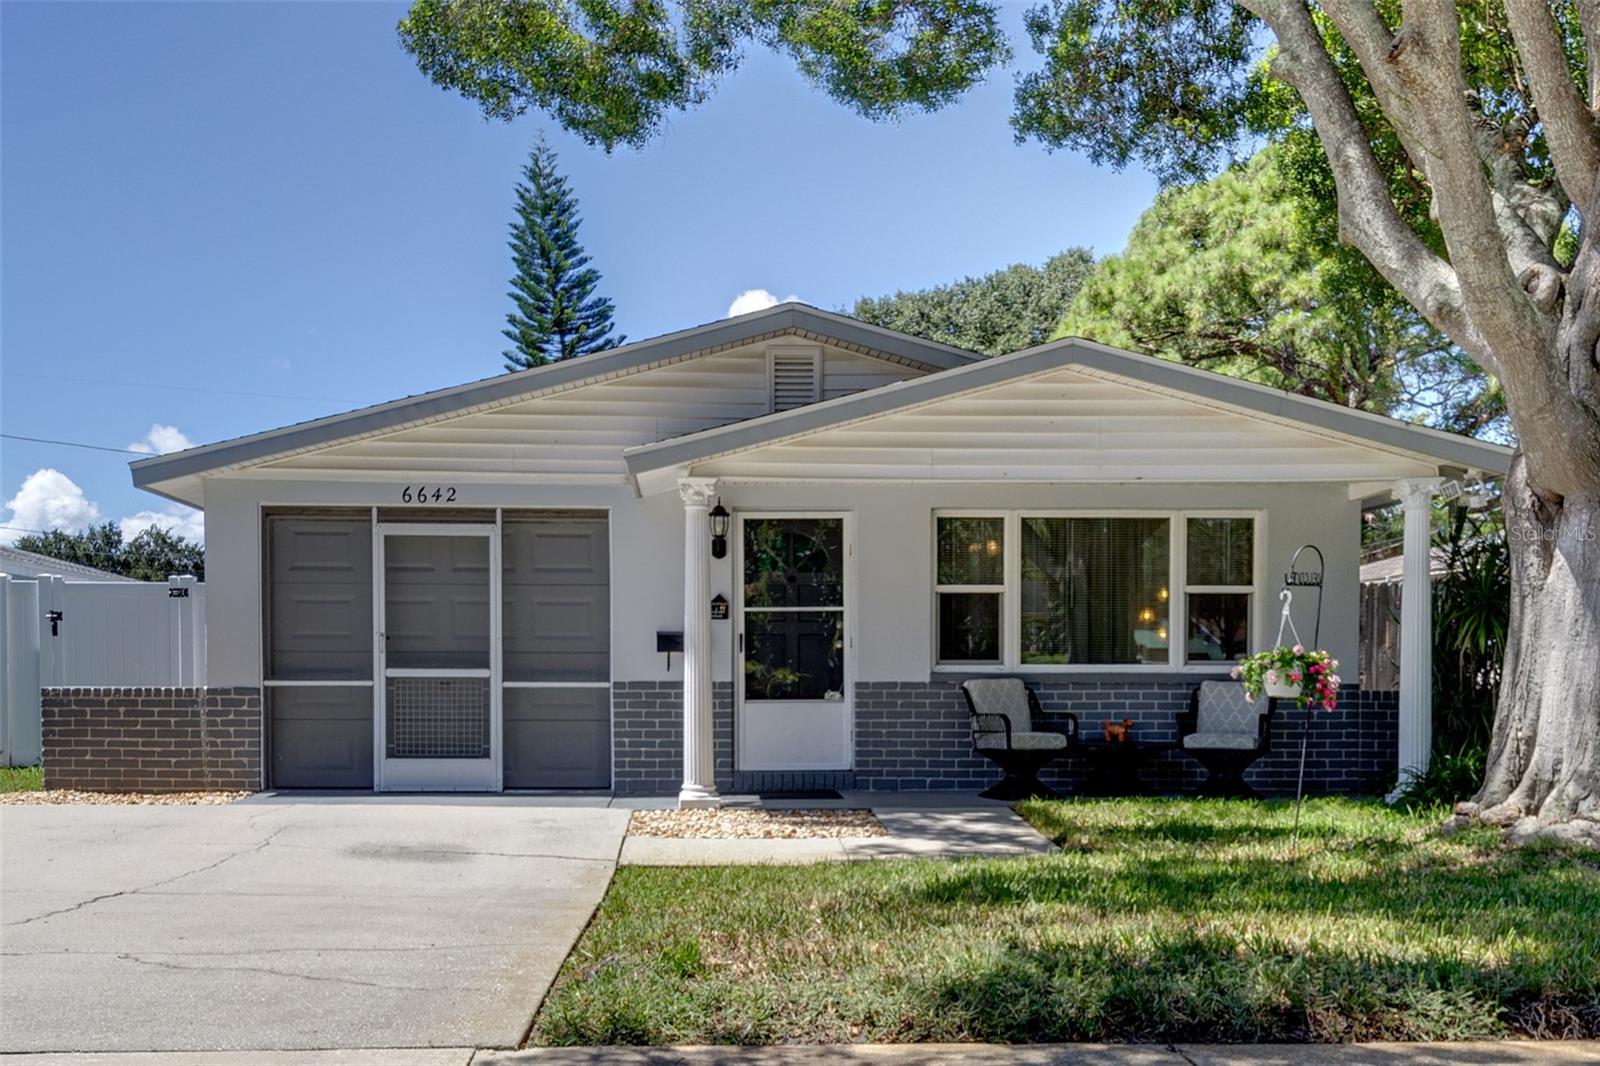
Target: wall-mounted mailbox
[669, 643]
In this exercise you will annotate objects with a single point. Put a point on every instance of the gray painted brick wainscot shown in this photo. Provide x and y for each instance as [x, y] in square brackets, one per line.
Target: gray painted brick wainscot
[151, 739]
[914, 736]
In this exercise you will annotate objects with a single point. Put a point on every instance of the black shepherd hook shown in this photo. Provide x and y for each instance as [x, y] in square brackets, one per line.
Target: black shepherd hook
[1297, 578]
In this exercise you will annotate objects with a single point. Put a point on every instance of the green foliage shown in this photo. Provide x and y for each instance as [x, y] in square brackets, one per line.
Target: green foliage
[21, 778]
[1181, 86]
[1471, 616]
[1451, 776]
[557, 315]
[612, 71]
[1167, 84]
[97, 546]
[153, 555]
[1004, 311]
[1157, 920]
[1237, 274]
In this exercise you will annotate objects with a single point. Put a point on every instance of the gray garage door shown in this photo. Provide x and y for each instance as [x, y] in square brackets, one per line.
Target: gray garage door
[556, 636]
[556, 631]
[319, 650]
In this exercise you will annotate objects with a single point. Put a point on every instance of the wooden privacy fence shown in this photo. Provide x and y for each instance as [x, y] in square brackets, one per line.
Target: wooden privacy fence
[55, 632]
[1380, 636]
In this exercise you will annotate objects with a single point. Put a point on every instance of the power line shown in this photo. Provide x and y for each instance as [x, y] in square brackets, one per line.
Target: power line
[173, 388]
[72, 444]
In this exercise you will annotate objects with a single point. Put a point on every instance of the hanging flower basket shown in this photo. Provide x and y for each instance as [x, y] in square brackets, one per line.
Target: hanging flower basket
[1292, 673]
[1281, 689]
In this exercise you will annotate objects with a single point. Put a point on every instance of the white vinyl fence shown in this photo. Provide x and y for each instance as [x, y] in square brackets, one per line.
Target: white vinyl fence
[57, 632]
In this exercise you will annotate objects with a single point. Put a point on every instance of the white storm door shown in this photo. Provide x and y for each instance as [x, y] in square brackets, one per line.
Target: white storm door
[792, 649]
[438, 709]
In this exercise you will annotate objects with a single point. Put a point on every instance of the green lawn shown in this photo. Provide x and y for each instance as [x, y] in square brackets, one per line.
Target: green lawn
[1158, 920]
[21, 778]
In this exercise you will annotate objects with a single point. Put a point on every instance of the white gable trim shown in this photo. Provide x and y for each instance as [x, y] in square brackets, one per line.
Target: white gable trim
[176, 475]
[653, 465]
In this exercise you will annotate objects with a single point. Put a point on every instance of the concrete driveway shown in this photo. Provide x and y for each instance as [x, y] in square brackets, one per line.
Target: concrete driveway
[291, 924]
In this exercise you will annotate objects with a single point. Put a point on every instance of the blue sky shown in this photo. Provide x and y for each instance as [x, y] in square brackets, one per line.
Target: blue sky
[217, 218]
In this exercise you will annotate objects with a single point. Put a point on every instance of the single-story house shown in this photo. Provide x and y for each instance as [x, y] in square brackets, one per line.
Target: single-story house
[761, 553]
[18, 563]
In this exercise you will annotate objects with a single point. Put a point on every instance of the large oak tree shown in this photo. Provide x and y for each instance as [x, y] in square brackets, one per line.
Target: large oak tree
[1460, 140]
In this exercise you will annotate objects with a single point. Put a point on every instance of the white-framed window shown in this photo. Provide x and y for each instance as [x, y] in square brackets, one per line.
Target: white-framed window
[1219, 587]
[969, 588]
[1071, 590]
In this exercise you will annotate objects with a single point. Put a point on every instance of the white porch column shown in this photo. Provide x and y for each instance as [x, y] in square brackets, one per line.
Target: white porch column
[699, 766]
[1416, 626]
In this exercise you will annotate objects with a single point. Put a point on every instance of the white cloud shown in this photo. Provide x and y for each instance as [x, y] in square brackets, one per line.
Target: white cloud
[50, 500]
[47, 500]
[161, 440]
[183, 521]
[755, 300]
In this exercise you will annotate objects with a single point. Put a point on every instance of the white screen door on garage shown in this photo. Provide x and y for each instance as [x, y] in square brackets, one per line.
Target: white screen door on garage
[793, 654]
[437, 612]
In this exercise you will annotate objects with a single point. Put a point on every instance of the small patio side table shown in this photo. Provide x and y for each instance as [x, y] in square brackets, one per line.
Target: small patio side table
[1112, 767]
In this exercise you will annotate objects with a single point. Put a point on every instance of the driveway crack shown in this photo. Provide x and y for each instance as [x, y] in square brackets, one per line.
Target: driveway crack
[142, 961]
[400, 853]
[154, 885]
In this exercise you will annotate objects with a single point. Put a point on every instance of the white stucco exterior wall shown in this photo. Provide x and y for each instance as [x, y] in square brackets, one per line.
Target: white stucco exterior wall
[892, 528]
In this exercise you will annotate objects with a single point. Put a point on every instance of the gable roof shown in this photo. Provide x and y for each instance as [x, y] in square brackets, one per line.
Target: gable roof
[1155, 375]
[785, 318]
[19, 563]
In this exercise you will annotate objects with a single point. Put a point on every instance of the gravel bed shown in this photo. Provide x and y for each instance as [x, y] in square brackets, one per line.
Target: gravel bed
[745, 824]
[58, 796]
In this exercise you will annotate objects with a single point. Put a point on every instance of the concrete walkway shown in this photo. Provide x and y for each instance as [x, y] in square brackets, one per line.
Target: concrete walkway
[1483, 1053]
[936, 833]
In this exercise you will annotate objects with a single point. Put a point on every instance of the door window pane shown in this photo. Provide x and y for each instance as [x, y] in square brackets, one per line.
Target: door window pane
[1221, 551]
[436, 602]
[971, 551]
[1219, 626]
[1094, 590]
[969, 627]
[794, 562]
[794, 655]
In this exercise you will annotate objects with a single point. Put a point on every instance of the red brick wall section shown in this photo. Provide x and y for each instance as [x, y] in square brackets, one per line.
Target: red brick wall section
[152, 739]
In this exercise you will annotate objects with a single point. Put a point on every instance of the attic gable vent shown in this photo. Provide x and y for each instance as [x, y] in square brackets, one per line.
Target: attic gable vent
[796, 377]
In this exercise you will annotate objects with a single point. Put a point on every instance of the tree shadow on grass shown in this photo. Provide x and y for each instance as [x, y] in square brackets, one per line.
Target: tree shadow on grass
[1507, 891]
[1199, 987]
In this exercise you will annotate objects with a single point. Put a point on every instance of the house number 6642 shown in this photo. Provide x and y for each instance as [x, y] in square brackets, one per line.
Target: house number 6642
[428, 494]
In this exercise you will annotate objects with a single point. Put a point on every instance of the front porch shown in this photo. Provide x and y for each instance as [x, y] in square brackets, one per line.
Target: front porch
[907, 723]
[1111, 528]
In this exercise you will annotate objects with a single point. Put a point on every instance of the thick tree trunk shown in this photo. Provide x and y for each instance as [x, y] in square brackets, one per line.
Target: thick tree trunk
[1543, 776]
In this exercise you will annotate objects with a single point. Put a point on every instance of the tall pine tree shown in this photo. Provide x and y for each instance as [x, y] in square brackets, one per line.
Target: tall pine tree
[557, 316]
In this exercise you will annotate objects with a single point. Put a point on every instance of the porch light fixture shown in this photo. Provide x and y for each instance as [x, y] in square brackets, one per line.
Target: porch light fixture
[719, 530]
